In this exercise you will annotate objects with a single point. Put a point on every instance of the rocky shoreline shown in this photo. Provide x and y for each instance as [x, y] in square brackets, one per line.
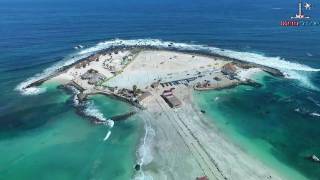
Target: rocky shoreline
[159, 82]
[240, 63]
[82, 96]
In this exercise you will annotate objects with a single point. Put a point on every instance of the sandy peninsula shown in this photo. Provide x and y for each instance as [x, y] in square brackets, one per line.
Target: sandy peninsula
[182, 143]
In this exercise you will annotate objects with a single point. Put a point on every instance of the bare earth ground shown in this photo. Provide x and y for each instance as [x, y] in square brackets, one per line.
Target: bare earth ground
[150, 66]
[187, 146]
[184, 145]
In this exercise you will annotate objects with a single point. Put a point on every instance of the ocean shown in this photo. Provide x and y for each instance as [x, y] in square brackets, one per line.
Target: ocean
[43, 137]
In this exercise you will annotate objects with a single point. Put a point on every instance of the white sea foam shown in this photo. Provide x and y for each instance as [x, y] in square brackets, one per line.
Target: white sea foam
[309, 54]
[33, 91]
[107, 136]
[315, 114]
[22, 87]
[302, 77]
[75, 96]
[93, 111]
[142, 176]
[76, 100]
[291, 69]
[248, 73]
[109, 123]
[145, 150]
[276, 62]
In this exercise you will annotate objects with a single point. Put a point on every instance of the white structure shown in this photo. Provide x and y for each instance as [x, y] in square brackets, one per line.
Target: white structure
[300, 14]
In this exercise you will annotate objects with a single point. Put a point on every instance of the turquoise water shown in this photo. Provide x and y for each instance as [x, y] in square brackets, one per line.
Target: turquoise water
[37, 34]
[110, 106]
[265, 122]
[67, 146]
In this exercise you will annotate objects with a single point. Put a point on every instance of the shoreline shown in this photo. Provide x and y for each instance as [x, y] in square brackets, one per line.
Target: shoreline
[229, 86]
[80, 106]
[160, 84]
[203, 150]
[270, 70]
[248, 146]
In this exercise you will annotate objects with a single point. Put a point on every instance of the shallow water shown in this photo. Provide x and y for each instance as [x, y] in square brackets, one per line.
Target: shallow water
[37, 34]
[265, 122]
[55, 139]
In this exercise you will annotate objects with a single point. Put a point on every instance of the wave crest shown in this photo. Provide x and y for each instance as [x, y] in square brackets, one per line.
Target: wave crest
[23, 86]
[275, 62]
[93, 111]
[291, 69]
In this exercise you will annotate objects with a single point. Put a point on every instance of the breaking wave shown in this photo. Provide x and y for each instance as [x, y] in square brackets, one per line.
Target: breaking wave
[275, 62]
[315, 114]
[292, 70]
[33, 91]
[107, 136]
[75, 98]
[23, 86]
[90, 110]
[93, 111]
[144, 151]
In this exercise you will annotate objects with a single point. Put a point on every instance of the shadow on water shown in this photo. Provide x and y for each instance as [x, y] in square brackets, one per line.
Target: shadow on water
[25, 113]
[30, 118]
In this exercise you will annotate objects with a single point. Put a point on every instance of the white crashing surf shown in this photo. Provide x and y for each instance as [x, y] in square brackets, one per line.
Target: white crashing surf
[247, 74]
[315, 114]
[292, 70]
[33, 91]
[22, 87]
[93, 111]
[144, 151]
[107, 136]
[145, 148]
[275, 62]
[75, 91]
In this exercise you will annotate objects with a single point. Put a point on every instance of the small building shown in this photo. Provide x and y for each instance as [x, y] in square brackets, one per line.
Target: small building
[229, 69]
[170, 99]
[167, 94]
[89, 74]
[96, 79]
[93, 77]
[202, 178]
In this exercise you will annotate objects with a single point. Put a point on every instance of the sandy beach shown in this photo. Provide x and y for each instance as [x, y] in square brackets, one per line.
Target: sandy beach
[186, 145]
[150, 66]
[179, 142]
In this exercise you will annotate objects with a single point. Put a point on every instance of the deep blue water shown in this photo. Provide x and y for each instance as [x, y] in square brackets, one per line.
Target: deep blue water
[36, 34]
